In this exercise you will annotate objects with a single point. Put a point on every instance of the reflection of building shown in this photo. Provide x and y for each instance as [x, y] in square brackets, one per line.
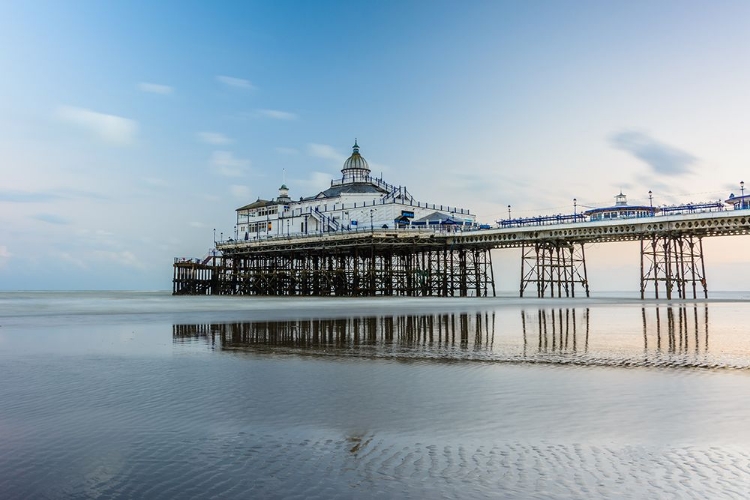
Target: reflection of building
[356, 201]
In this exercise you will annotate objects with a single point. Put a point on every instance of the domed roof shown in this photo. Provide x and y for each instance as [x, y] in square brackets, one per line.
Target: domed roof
[355, 161]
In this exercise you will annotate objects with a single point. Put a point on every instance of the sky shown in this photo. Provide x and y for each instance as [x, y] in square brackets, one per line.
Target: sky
[130, 130]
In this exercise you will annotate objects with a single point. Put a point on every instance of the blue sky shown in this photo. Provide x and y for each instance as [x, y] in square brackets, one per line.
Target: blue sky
[130, 130]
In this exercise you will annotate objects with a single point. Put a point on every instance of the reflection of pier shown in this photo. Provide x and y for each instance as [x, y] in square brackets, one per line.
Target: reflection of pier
[457, 329]
[557, 330]
[682, 326]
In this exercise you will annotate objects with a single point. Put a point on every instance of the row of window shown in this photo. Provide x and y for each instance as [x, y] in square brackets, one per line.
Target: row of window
[257, 227]
[262, 211]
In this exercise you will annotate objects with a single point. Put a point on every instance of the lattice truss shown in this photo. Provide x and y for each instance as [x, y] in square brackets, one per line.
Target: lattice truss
[554, 268]
[355, 272]
[674, 263]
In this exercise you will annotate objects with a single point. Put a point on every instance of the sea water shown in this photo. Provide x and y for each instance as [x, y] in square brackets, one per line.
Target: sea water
[145, 395]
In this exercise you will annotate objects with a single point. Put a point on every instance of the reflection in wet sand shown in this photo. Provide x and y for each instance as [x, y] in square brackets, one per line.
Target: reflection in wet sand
[654, 335]
[557, 330]
[459, 330]
[683, 323]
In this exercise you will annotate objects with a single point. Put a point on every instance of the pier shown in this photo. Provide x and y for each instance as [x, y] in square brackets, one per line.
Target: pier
[365, 237]
[440, 263]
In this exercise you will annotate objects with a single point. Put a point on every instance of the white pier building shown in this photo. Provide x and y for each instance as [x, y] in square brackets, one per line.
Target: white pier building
[354, 202]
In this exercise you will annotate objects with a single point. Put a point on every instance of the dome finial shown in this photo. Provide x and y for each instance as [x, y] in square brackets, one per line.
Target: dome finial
[355, 148]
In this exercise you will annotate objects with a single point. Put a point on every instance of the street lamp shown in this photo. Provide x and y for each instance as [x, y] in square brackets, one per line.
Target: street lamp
[372, 227]
[742, 200]
[214, 236]
[575, 206]
[508, 212]
[651, 201]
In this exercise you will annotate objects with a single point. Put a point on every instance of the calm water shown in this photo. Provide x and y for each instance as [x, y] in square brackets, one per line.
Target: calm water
[144, 395]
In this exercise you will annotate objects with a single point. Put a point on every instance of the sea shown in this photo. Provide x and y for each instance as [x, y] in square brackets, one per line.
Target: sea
[145, 395]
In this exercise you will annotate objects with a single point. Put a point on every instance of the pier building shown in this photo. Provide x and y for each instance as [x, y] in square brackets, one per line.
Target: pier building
[355, 202]
[739, 202]
[621, 209]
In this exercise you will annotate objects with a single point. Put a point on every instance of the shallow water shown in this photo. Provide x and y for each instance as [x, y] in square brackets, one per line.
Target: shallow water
[140, 395]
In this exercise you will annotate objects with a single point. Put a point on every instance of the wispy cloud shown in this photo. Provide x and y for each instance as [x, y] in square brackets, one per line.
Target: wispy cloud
[155, 182]
[662, 158]
[27, 196]
[51, 219]
[5, 255]
[197, 224]
[155, 88]
[225, 163]
[325, 151]
[242, 192]
[287, 151]
[278, 115]
[110, 128]
[124, 258]
[315, 183]
[231, 81]
[70, 259]
[214, 138]
[16, 196]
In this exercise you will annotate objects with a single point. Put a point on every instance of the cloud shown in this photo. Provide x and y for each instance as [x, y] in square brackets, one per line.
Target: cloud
[197, 224]
[110, 128]
[124, 258]
[213, 138]
[287, 151]
[67, 257]
[231, 81]
[238, 191]
[225, 163]
[52, 219]
[155, 182]
[278, 115]
[155, 88]
[325, 151]
[662, 158]
[5, 255]
[27, 196]
[315, 183]
[14, 196]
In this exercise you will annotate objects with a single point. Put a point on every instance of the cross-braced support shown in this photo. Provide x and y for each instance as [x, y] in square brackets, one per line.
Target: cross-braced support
[454, 271]
[555, 267]
[676, 262]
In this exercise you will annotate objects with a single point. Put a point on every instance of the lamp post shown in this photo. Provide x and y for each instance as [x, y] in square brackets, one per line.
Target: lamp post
[742, 200]
[372, 227]
[214, 236]
[575, 207]
[235, 232]
[651, 201]
[508, 213]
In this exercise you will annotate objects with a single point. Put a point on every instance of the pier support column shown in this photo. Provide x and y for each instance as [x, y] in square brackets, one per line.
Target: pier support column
[677, 263]
[554, 267]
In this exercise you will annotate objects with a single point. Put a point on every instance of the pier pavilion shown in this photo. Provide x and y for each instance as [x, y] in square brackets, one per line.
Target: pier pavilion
[355, 202]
